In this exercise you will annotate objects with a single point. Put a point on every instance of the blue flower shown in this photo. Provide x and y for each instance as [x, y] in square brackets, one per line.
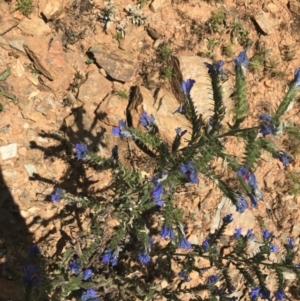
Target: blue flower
[110, 257]
[81, 150]
[273, 248]
[267, 234]
[248, 176]
[265, 129]
[227, 219]
[254, 293]
[253, 200]
[212, 280]
[205, 245]
[34, 251]
[75, 267]
[156, 194]
[267, 126]
[122, 131]
[280, 295]
[238, 233]
[144, 257]
[216, 67]
[187, 86]
[284, 158]
[87, 274]
[182, 274]
[290, 244]
[241, 204]
[264, 293]
[147, 122]
[56, 196]
[265, 117]
[30, 277]
[167, 232]
[242, 60]
[89, 295]
[189, 170]
[250, 234]
[297, 77]
[184, 244]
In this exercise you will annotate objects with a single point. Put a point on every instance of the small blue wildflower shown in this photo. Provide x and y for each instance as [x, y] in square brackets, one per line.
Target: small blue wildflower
[264, 293]
[156, 194]
[167, 232]
[237, 233]
[290, 244]
[110, 257]
[285, 158]
[267, 126]
[182, 274]
[81, 150]
[30, 277]
[34, 251]
[184, 244]
[273, 248]
[89, 295]
[265, 117]
[241, 204]
[250, 234]
[254, 293]
[212, 280]
[205, 245]
[265, 129]
[187, 86]
[253, 200]
[267, 234]
[144, 257]
[75, 267]
[122, 131]
[280, 295]
[56, 196]
[227, 219]
[242, 60]
[87, 274]
[147, 121]
[297, 77]
[297, 265]
[248, 176]
[216, 67]
[106, 256]
[189, 170]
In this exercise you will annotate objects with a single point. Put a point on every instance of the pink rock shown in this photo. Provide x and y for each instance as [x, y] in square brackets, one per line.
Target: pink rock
[95, 88]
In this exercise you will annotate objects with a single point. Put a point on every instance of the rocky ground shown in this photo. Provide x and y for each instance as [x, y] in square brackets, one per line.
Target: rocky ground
[72, 73]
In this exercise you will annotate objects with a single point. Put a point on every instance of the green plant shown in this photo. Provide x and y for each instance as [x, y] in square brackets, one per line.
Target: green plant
[119, 36]
[211, 43]
[273, 71]
[227, 50]
[216, 22]
[122, 94]
[165, 52]
[116, 257]
[142, 2]
[241, 35]
[293, 182]
[25, 7]
[167, 72]
[90, 61]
